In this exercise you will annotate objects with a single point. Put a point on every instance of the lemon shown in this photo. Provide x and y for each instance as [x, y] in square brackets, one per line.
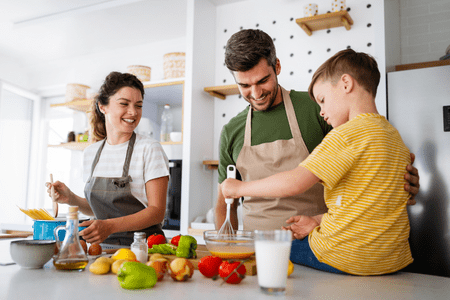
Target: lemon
[124, 253]
[290, 268]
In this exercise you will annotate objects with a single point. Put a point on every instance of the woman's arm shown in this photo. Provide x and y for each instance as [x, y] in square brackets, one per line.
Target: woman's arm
[64, 195]
[284, 184]
[156, 191]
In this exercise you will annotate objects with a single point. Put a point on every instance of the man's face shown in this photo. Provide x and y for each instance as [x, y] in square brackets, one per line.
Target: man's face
[259, 85]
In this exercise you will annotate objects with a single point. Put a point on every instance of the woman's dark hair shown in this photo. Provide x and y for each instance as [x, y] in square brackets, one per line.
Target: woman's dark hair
[245, 49]
[113, 83]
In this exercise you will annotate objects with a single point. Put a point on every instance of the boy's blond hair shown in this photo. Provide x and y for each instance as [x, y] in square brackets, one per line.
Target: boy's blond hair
[361, 66]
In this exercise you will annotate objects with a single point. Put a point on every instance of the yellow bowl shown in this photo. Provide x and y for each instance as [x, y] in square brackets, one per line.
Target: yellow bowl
[241, 245]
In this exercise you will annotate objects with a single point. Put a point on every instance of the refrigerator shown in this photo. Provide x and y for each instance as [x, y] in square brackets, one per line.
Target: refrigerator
[418, 105]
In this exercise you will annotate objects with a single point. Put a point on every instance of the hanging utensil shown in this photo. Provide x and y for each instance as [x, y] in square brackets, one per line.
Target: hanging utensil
[52, 192]
[227, 228]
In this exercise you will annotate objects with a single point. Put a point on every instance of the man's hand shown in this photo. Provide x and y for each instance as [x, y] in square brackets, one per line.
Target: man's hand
[302, 226]
[230, 188]
[221, 211]
[413, 181]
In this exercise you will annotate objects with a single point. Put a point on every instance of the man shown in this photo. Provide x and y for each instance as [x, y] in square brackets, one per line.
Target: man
[275, 135]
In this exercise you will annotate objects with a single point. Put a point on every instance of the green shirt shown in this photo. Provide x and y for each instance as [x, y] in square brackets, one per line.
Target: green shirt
[269, 126]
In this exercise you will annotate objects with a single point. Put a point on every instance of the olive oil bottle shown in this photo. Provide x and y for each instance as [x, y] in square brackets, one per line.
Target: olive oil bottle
[71, 255]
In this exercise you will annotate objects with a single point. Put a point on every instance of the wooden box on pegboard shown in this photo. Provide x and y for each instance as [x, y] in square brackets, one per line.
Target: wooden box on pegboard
[174, 64]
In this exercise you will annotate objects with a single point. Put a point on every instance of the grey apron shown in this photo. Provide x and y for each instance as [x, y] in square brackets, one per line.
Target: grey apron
[111, 198]
[260, 161]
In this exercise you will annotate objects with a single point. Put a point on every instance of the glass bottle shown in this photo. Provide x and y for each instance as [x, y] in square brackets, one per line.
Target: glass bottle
[71, 255]
[140, 247]
[166, 124]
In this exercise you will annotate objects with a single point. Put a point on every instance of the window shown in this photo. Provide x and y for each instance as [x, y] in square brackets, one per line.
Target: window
[19, 127]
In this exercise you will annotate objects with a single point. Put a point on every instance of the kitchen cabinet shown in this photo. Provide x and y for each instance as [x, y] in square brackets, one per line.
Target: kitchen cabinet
[325, 21]
[81, 105]
[156, 96]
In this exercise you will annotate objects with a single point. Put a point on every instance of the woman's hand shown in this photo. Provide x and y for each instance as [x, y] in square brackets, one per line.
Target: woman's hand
[302, 226]
[97, 230]
[62, 192]
[413, 181]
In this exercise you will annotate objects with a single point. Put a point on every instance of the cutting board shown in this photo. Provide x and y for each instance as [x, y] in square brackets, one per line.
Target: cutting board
[250, 264]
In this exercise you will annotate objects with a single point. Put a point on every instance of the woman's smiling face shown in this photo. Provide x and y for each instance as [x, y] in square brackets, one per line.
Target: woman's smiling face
[124, 111]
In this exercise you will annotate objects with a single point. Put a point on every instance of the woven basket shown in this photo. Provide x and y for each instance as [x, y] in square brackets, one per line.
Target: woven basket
[141, 72]
[75, 91]
[174, 65]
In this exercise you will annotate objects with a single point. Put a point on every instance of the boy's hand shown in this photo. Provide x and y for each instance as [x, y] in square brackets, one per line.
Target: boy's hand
[302, 226]
[230, 188]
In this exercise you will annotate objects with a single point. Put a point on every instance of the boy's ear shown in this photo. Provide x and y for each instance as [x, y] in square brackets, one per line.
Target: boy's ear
[348, 82]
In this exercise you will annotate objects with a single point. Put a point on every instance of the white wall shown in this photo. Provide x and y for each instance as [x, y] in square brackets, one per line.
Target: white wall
[425, 30]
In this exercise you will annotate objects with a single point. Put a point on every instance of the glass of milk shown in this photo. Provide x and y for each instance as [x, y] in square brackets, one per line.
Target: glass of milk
[272, 250]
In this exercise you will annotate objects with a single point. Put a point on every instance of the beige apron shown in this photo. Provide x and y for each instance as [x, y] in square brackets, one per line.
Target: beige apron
[260, 161]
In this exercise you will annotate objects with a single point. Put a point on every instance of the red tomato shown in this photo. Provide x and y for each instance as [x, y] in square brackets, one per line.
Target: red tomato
[155, 239]
[175, 240]
[209, 266]
[227, 268]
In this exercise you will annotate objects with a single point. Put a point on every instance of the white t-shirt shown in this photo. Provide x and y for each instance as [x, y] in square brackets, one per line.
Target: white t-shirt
[149, 161]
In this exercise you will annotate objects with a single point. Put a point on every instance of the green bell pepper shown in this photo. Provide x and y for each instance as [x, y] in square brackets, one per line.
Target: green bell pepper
[186, 247]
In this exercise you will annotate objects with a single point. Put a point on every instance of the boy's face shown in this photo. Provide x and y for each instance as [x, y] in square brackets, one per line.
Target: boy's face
[259, 85]
[333, 108]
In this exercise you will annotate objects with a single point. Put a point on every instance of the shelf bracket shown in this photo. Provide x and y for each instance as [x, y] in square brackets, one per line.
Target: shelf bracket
[346, 23]
[306, 29]
[217, 95]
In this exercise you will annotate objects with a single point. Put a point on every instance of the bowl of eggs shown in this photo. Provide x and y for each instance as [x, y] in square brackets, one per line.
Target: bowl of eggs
[239, 245]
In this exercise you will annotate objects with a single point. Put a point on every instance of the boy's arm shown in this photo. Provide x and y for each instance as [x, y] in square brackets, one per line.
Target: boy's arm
[284, 184]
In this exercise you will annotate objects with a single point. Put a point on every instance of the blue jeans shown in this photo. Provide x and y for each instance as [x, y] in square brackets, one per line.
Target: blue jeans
[302, 254]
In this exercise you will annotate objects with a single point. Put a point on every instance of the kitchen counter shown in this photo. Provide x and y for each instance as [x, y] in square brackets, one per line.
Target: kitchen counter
[304, 283]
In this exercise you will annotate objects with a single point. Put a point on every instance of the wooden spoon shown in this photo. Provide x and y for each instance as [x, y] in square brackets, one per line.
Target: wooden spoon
[52, 192]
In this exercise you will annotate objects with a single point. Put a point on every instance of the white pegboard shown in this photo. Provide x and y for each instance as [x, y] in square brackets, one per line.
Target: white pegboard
[300, 55]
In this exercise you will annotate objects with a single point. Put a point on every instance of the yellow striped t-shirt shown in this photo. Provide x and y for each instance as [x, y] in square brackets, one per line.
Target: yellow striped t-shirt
[362, 165]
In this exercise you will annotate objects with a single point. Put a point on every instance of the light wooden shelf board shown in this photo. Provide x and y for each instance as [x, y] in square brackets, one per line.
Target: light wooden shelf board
[428, 64]
[83, 105]
[72, 145]
[325, 21]
[211, 164]
[222, 91]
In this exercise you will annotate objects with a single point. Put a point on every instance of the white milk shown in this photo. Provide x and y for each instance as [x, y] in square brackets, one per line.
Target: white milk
[272, 259]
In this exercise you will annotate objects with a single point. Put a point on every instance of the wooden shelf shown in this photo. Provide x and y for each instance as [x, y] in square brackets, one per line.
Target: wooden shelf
[83, 105]
[428, 64]
[72, 145]
[171, 143]
[223, 91]
[325, 21]
[211, 164]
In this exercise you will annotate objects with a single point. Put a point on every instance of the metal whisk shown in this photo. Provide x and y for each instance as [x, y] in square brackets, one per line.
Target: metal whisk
[227, 228]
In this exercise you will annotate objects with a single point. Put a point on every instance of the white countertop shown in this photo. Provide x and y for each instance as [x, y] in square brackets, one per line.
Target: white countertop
[305, 283]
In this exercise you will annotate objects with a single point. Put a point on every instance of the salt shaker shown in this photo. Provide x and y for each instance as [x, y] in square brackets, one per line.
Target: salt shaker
[140, 247]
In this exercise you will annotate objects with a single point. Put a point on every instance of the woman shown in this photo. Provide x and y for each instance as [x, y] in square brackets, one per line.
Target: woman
[126, 174]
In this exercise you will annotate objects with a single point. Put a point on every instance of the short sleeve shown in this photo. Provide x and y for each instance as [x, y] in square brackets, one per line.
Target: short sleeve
[330, 160]
[156, 163]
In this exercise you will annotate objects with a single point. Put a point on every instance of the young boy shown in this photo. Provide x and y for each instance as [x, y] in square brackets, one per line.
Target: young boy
[361, 164]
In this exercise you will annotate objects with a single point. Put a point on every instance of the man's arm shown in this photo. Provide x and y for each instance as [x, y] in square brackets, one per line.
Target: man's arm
[412, 176]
